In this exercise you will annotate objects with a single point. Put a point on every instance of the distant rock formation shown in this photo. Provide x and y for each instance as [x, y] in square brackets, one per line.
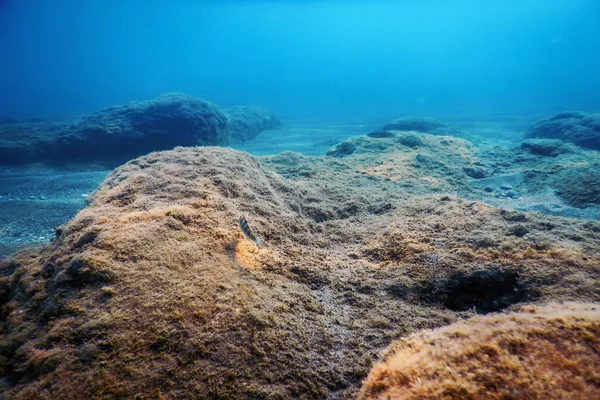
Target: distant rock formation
[20, 140]
[540, 352]
[411, 140]
[245, 122]
[579, 186]
[117, 134]
[425, 125]
[342, 149]
[475, 172]
[580, 128]
[545, 147]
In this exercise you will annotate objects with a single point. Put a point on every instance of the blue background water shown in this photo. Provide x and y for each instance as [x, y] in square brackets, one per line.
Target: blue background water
[303, 58]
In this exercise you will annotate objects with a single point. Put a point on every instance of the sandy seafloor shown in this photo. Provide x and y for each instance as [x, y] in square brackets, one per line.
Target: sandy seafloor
[34, 200]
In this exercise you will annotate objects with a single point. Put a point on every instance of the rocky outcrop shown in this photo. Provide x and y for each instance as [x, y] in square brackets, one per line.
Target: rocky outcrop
[117, 134]
[410, 140]
[544, 147]
[152, 290]
[423, 125]
[475, 172]
[20, 141]
[245, 122]
[579, 186]
[580, 128]
[539, 352]
[342, 149]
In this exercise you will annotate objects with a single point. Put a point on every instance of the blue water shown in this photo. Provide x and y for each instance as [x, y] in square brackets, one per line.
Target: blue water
[335, 59]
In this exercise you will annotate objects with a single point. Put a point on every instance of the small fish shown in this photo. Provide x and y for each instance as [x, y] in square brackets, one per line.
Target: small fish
[245, 227]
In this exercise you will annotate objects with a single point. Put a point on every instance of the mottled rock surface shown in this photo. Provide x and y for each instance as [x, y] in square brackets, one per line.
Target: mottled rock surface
[579, 186]
[152, 290]
[342, 149]
[475, 172]
[410, 140]
[381, 134]
[424, 125]
[580, 128]
[20, 141]
[245, 122]
[117, 134]
[544, 147]
[539, 352]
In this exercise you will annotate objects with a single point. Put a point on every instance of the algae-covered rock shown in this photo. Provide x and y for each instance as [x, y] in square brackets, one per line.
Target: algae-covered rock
[381, 134]
[411, 140]
[539, 352]
[425, 125]
[245, 122]
[153, 290]
[580, 128]
[342, 149]
[475, 172]
[544, 147]
[579, 186]
[117, 134]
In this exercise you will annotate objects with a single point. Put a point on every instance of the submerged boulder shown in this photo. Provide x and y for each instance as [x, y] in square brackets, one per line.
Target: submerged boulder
[411, 140]
[544, 147]
[424, 125]
[579, 186]
[245, 122]
[342, 149]
[475, 172]
[20, 140]
[117, 134]
[540, 352]
[580, 128]
[381, 134]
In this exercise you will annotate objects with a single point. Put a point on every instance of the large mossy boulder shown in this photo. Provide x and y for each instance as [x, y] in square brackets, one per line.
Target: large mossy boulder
[580, 128]
[544, 147]
[114, 135]
[579, 186]
[117, 134]
[245, 122]
[424, 125]
[539, 352]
